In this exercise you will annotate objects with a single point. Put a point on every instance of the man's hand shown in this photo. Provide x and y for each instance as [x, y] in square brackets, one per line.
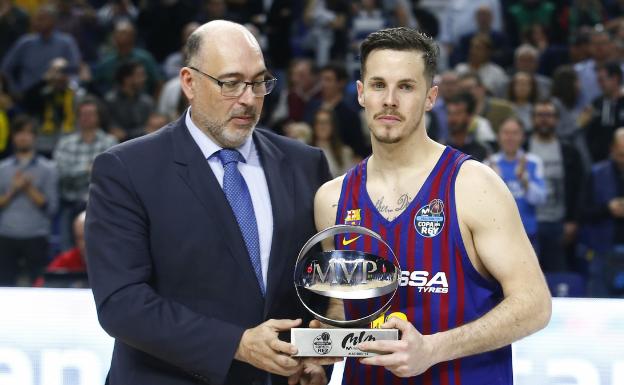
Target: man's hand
[570, 229]
[410, 356]
[312, 372]
[616, 207]
[28, 182]
[118, 133]
[261, 348]
[316, 324]
[521, 173]
[20, 181]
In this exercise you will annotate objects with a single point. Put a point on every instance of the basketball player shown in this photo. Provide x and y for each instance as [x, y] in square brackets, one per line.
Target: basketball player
[470, 284]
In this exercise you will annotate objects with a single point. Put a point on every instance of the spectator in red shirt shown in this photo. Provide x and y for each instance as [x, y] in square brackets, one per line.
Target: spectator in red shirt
[71, 261]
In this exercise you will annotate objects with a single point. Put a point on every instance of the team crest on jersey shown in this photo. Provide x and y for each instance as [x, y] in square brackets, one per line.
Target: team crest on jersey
[353, 217]
[429, 220]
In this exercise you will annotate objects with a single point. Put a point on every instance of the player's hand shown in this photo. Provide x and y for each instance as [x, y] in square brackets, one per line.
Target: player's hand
[310, 374]
[410, 356]
[261, 348]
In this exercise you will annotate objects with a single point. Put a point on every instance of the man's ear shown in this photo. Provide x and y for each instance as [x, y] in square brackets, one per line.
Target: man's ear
[360, 92]
[187, 83]
[432, 95]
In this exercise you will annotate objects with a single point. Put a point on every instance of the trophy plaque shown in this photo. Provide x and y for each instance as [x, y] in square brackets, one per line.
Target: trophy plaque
[348, 275]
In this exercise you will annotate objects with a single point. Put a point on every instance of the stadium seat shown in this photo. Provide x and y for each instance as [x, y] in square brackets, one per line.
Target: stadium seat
[566, 284]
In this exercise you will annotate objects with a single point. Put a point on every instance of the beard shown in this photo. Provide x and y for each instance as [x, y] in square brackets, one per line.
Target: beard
[23, 149]
[455, 128]
[544, 130]
[219, 131]
[388, 138]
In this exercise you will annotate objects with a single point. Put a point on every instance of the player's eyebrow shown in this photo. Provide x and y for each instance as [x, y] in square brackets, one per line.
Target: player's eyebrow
[405, 80]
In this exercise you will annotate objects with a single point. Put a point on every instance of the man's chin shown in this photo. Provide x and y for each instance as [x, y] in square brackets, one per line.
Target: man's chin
[235, 136]
[387, 139]
[390, 141]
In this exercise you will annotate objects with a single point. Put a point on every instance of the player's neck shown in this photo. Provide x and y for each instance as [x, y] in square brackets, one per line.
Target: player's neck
[406, 156]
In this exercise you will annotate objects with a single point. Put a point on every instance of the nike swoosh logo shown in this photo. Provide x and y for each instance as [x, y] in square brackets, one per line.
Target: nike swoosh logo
[346, 241]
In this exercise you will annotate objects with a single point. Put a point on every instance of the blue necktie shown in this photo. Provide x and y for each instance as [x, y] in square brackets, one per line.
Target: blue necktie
[237, 194]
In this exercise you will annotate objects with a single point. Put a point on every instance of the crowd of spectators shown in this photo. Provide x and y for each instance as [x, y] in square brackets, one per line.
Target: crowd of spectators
[532, 88]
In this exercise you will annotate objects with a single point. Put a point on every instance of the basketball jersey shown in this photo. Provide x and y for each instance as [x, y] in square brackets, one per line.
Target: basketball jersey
[439, 288]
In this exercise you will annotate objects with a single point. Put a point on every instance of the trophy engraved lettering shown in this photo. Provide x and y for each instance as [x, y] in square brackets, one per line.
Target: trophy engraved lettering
[348, 275]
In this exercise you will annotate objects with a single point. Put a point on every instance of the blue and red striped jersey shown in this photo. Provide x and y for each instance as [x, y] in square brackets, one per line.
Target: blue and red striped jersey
[439, 287]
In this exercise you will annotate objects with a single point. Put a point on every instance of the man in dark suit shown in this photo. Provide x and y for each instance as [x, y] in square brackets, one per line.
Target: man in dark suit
[191, 259]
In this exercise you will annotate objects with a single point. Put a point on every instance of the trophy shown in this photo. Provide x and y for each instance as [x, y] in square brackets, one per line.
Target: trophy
[349, 275]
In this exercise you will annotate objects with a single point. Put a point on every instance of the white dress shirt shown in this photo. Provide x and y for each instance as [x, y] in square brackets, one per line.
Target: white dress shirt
[253, 173]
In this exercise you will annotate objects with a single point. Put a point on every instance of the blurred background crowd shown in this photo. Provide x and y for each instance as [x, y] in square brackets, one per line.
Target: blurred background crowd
[531, 88]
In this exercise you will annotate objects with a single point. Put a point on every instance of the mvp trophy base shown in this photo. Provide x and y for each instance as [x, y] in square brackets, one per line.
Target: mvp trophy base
[337, 342]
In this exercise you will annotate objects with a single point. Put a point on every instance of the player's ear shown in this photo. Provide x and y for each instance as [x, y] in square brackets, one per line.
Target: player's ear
[360, 92]
[432, 95]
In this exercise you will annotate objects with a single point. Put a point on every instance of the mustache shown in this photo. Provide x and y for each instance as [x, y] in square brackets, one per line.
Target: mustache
[545, 128]
[389, 112]
[23, 149]
[248, 111]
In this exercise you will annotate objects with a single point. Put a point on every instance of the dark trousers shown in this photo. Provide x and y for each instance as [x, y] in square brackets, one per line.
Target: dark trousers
[30, 254]
[550, 247]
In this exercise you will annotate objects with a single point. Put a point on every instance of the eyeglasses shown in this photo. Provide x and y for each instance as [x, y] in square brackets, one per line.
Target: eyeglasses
[546, 114]
[235, 88]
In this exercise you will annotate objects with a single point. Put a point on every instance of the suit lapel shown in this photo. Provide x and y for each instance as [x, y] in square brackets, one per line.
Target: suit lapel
[280, 181]
[197, 174]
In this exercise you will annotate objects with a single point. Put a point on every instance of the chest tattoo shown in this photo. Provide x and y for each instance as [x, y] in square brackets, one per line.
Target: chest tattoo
[392, 210]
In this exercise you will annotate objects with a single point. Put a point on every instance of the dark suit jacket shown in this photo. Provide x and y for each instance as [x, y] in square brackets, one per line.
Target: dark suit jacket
[168, 265]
